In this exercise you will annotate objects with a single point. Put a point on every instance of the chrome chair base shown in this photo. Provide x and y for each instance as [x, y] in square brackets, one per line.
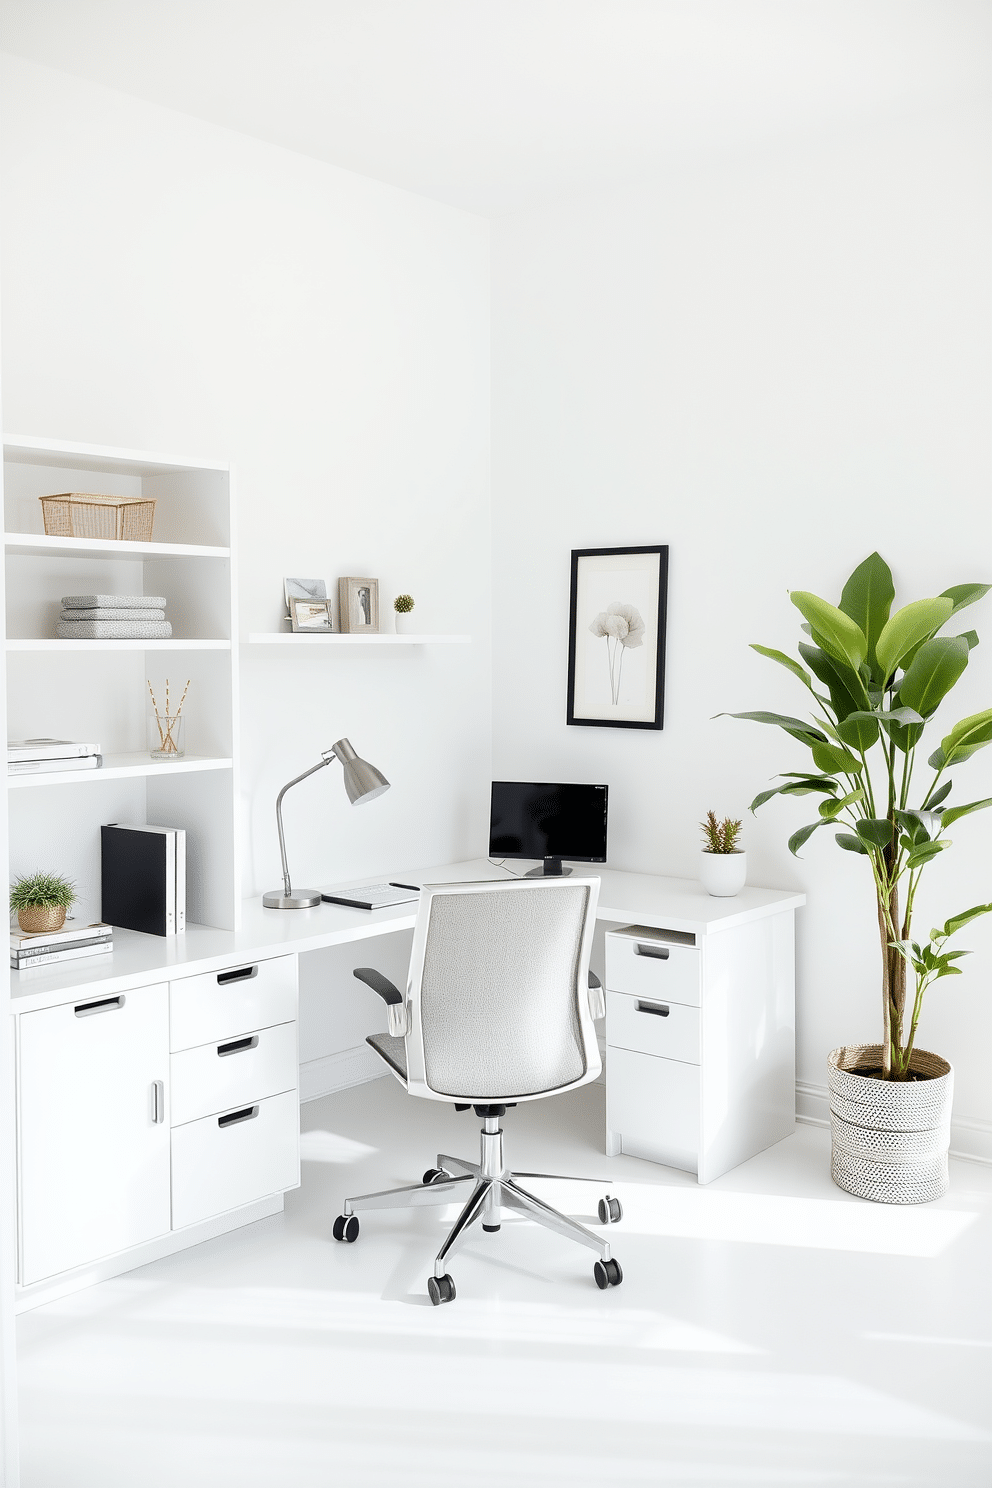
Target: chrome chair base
[489, 1187]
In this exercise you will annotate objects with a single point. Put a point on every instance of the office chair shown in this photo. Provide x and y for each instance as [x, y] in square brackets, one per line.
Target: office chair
[498, 1009]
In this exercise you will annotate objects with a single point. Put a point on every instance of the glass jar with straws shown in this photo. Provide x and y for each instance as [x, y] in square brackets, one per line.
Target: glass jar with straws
[167, 727]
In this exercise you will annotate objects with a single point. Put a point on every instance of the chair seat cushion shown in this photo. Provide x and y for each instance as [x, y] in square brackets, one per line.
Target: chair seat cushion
[392, 1050]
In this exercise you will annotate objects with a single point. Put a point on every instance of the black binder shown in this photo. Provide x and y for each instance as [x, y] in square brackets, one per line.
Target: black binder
[143, 879]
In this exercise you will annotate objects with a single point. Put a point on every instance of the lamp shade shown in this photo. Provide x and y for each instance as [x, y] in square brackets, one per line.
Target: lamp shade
[362, 781]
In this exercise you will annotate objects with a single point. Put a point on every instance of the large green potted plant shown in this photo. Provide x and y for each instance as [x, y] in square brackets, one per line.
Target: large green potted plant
[877, 680]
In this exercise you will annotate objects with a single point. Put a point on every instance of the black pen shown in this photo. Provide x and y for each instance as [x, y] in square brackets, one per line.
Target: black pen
[414, 887]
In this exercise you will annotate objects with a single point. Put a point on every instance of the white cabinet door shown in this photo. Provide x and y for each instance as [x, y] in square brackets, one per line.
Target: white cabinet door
[94, 1133]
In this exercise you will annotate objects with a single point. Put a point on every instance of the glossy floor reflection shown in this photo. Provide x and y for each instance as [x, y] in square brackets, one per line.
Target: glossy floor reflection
[770, 1330]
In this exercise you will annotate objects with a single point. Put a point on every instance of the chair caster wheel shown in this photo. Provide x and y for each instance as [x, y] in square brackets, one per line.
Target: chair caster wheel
[610, 1210]
[607, 1274]
[440, 1289]
[434, 1175]
[345, 1227]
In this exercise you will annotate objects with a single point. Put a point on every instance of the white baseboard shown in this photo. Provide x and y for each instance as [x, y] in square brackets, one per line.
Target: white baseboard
[40, 1292]
[969, 1139]
[339, 1072]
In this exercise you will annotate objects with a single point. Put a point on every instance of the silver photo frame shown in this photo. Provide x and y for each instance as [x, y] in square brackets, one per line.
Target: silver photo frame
[359, 604]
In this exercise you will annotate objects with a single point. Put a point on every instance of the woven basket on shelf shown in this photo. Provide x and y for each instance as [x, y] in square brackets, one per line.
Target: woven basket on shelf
[82, 514]
[889, 1139]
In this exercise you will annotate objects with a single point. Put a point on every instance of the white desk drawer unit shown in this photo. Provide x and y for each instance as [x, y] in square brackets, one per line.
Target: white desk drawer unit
[700, 1043]
[223, 1004]
[225, 1161]
[217, 1077]
[234, 1074]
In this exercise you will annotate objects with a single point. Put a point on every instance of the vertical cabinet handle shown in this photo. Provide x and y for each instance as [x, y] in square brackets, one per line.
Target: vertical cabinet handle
[158, 1102]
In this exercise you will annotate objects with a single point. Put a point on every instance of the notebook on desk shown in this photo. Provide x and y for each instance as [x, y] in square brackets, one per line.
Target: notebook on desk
[372, 896]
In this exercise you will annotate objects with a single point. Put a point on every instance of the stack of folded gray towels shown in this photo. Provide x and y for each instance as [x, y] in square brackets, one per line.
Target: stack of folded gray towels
[113, 617]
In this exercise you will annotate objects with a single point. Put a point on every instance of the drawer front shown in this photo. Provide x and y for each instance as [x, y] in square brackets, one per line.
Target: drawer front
[222, 1162]
[650, 1026]
[234, 1072]
[219, 1005]
[653, 1106]
[649, 968]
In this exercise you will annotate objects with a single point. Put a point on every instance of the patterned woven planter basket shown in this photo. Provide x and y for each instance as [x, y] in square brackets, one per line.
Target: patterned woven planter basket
[889, 1139]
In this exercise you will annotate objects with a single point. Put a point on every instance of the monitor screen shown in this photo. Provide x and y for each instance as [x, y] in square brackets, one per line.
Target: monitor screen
[541, 820]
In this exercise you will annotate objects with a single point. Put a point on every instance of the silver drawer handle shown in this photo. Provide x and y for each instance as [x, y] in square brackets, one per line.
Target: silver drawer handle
[105, 1005]
[660, 1009]
[158, 1102]
[248, 1114]
[656, 952]
[243, 974]
[238, 1046]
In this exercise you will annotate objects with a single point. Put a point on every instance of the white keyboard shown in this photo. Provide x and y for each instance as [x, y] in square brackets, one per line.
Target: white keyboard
[372, 896]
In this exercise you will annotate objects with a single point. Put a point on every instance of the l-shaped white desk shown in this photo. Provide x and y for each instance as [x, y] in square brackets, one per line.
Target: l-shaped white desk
[176, 1117]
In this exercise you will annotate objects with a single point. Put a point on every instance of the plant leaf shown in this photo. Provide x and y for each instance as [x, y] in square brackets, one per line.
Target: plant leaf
[941, 795]
[787, 662]
[859, 729]
[803, 835]
[867, 598]
[971, 636]
[967, 736]
[937, 760]
[804, 732]
[905, 629]
[955, 923]
[850, 843]
[954, 813]
[838, 634]
[924, 853]
[932, 673]
[831, 759]
[964, 594]
[914, 826]
[829, 810]
[875, 831]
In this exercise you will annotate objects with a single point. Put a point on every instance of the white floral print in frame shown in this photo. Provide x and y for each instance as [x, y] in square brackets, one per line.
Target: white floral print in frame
[616, 653]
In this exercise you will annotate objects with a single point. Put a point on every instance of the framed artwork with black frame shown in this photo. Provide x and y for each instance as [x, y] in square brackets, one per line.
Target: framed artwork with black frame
[616, 637]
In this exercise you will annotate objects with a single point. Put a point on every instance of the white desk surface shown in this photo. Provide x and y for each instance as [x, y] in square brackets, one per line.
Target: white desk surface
[140, 960]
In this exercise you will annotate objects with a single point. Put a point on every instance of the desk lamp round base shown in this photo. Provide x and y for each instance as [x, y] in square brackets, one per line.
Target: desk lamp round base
[298, 899]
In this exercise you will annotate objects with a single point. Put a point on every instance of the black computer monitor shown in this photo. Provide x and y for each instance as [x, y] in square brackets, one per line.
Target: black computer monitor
[548, 821]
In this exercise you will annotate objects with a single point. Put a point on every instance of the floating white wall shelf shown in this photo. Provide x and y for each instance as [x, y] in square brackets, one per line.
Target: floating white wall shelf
[264, 638]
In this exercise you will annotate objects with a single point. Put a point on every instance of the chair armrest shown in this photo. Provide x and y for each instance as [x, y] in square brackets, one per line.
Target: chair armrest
[396, 1017]
[597, 997]
[378, 983]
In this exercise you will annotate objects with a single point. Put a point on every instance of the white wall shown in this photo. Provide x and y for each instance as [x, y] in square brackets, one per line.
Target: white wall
[172, 286]
[774, 364]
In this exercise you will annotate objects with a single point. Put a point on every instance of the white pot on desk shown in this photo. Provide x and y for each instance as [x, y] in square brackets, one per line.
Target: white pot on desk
[723, 874]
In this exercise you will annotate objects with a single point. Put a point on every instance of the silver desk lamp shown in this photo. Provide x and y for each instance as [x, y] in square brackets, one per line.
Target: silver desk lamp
[362, 781]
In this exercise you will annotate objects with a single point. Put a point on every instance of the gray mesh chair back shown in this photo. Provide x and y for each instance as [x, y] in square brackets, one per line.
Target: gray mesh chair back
[497, 997]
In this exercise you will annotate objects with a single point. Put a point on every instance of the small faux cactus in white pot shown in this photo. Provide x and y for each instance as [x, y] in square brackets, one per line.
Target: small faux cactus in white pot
[722, 864]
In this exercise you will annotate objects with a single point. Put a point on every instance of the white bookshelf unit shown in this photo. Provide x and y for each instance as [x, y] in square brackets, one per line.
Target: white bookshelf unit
[97, 690]
[333, 642]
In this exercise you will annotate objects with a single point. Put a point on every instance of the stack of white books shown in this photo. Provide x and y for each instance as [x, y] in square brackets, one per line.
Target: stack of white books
[44, 756]
[48, 946]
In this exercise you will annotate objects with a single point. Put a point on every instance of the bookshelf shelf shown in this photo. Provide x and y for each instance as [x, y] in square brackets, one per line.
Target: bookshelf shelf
[120, 767]
[38, 644]
[37, 545]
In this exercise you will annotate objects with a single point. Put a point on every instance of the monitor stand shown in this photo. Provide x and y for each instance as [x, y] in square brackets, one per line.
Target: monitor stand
[551, 868]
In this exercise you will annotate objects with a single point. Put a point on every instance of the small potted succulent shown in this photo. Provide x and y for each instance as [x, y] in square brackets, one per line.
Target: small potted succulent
[722, 864]
[40, 901]
[403, 607]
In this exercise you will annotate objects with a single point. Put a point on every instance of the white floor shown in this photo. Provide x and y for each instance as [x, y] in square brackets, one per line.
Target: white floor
[770, 1330]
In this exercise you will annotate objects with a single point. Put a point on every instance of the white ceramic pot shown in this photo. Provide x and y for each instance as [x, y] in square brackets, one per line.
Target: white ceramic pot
[723, 874]
[404, 622]
[889, 1138]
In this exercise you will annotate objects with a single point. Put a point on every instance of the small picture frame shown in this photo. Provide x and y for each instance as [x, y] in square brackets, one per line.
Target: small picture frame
[616, 640]
[310, 616]
[359, 603]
